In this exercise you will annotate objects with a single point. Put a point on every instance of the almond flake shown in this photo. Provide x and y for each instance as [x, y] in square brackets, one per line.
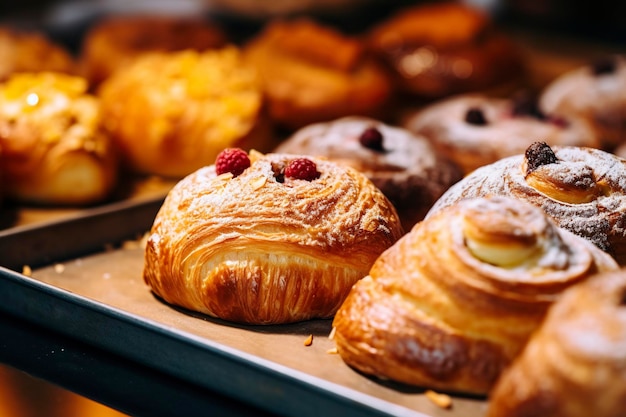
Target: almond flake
[331, 335]
[309, 340]
[440, 400]
[332, 351]
[258, 183]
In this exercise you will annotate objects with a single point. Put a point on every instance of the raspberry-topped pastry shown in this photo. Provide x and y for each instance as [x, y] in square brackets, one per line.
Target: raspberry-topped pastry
[264, 239]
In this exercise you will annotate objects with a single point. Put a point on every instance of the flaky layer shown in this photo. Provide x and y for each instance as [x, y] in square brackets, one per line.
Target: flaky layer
[575, 365]
[437, 311]
[254, 249]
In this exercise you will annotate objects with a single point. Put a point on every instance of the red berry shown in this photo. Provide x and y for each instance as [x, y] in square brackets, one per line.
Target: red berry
[233, 160]
[371, 138]
[302, 169]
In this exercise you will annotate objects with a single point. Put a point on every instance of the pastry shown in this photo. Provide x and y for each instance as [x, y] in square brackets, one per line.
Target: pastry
[171, 113]
[404, 166]
[312, 73]
[267, 239]
[476, 130]
[54, 149]
[593, 92]
[453, 302]
[575, 364]
[444, 48]
[29, 51]
[115, 41]
[582, 190]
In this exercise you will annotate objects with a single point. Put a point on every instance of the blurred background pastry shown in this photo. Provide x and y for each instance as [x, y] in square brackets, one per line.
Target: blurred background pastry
[171, 113]
[437, 49]
[311, 72]
[404, 166]
[32, 51]
[55, 150]
[594, 92]
[476, 130]
[114, 41]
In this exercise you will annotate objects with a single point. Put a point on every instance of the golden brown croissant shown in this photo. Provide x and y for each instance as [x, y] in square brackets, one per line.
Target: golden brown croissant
[264, 247]
[581, 189]
[55, 150]
[575, 364]
[453, 302]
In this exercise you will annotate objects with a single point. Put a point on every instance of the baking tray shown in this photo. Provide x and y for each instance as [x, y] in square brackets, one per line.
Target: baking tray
[86, 283]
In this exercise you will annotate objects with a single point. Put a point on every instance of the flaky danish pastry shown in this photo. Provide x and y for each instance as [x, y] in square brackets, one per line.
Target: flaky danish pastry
[172, 113]
[581, 189]
[575, 364]
[265, 239]
[453, 302]
[55, 150]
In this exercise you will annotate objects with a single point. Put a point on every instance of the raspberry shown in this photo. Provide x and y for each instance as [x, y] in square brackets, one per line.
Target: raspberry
[233, 160]
[371, 138]
[302, 169]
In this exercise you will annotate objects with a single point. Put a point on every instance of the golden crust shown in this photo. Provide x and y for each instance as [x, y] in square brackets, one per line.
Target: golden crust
[434, 313]
[172, 113]
[256, 250]
[583, 192]
[114, 42]
[311, 73]
[22, 51]
[575, 364]
[55, 150]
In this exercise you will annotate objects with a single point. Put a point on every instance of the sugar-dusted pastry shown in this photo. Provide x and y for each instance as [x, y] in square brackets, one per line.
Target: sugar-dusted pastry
[439, 49]
[264, 239]
[405, 167]
[172, 113]
[476, 130]
[575, 364]
[581, 189]
[115, 41]
[54, 149]
[593, 92]
[453, 302]
[29, 51]
[312, 73]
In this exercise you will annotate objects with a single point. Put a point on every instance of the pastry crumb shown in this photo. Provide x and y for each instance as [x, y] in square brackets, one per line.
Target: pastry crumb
[440, 400]
[331, 335]
[309, 340]
[26, 270]
[59, 268]
[332, 351]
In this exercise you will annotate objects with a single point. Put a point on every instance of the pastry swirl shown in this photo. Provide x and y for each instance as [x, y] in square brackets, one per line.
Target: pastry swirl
[575, 364]
[261, 248]
[581, 189]
[454, 301]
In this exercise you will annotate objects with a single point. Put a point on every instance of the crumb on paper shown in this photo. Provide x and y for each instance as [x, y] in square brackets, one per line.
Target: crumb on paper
[26, 270]
[331, 335]
[440, 400]
[106, 275]
[59, 268]
[332, 351]
[309, 340]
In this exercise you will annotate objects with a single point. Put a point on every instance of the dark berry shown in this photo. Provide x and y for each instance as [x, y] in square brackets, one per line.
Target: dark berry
[371, 138]
[604, 66]
[475, 116]
[302, 169]
[233, 160]
[539, 154]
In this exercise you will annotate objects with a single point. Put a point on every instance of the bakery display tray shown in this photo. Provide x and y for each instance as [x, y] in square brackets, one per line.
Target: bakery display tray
[86, 284]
